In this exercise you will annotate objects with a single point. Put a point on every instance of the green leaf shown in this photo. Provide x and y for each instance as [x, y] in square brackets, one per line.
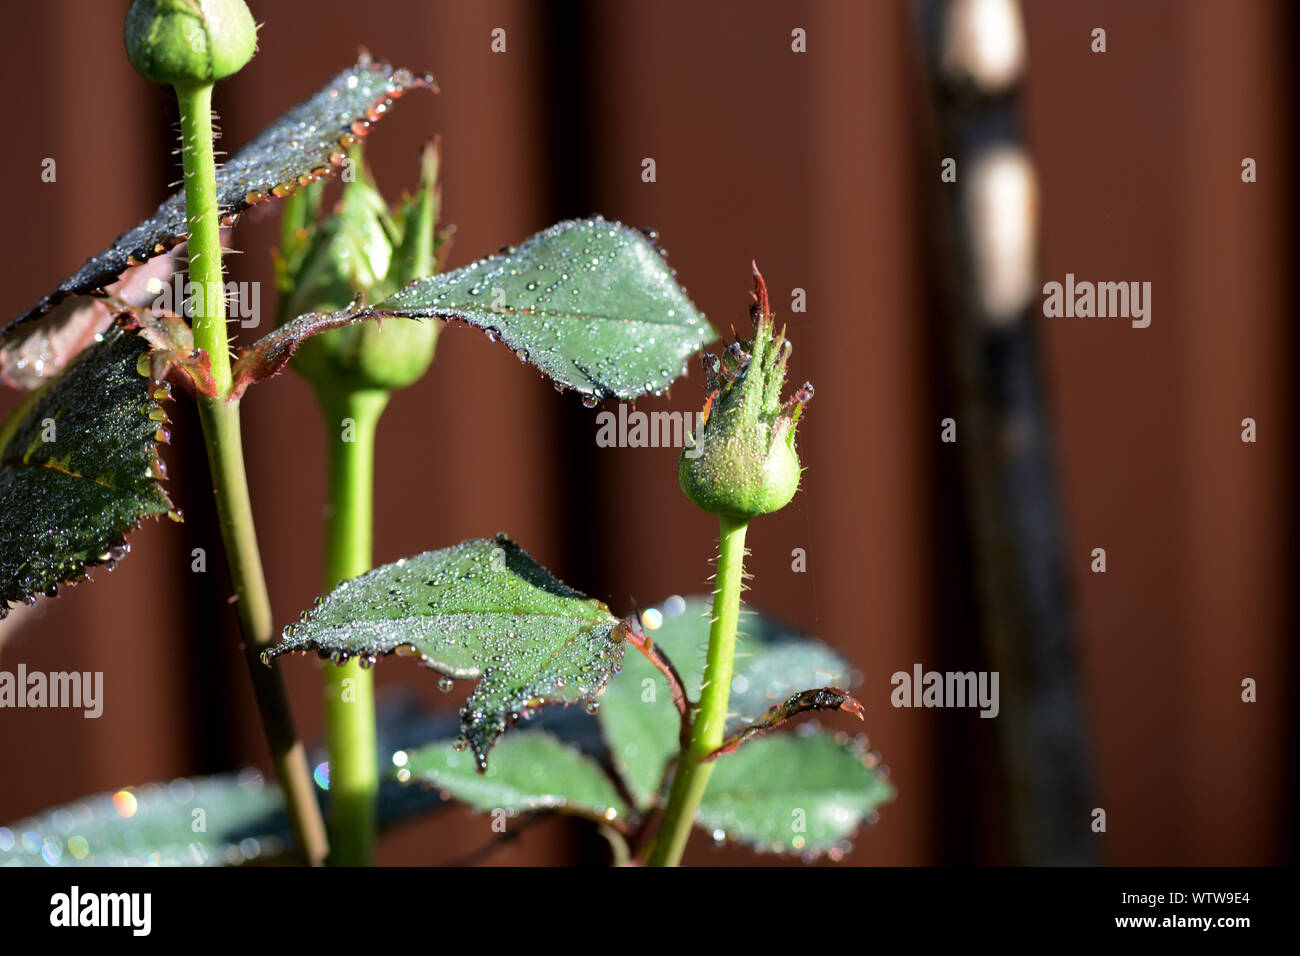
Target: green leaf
[793, 793]
[590, 302]
[531, 770]
[772, 663]
[155, 825]
[78, 469]
[303, 145]
[482, 609]
[243, 820]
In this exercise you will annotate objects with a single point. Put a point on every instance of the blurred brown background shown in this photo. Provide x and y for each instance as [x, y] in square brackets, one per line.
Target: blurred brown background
[817, 165]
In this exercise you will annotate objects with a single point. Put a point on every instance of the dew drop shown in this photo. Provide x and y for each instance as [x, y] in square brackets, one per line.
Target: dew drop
[675, 606]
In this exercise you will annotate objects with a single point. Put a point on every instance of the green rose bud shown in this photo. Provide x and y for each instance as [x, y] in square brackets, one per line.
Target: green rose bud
[745, 463]
[365, 250]
[189, 42]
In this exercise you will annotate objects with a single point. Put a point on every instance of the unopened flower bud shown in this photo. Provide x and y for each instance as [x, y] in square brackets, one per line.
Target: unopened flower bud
[189, 42]
[745, 463]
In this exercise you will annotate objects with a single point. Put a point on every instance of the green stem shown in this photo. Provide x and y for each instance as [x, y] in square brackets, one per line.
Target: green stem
[709, 719]
[351, 418]
[204, 223]
[221, 433]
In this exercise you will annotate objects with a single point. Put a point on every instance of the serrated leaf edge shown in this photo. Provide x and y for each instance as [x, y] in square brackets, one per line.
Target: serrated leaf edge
[158, 471]
[401, 81]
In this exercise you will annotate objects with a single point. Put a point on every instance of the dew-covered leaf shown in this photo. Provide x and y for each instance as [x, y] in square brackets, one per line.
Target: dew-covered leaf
[243, 818]
[530, 770]
[154, 825]
[793, 793]
[79, 468]
[482, 609]
[36, 352]
[303, 145]
[772, 663]
[590, 302]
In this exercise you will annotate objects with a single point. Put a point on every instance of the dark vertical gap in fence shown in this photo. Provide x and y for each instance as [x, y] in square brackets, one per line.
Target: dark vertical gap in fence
[571, 64]
[955, 637]
[1016, 543]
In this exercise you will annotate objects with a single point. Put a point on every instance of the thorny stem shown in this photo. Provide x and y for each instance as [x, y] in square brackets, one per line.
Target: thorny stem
[221, 433]
[349, 689]
[203, 221]
[710, 717]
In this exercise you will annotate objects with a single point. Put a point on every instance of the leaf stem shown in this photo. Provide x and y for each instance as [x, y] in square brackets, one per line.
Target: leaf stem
[349, 689]
[221, 433]
[709, 719]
